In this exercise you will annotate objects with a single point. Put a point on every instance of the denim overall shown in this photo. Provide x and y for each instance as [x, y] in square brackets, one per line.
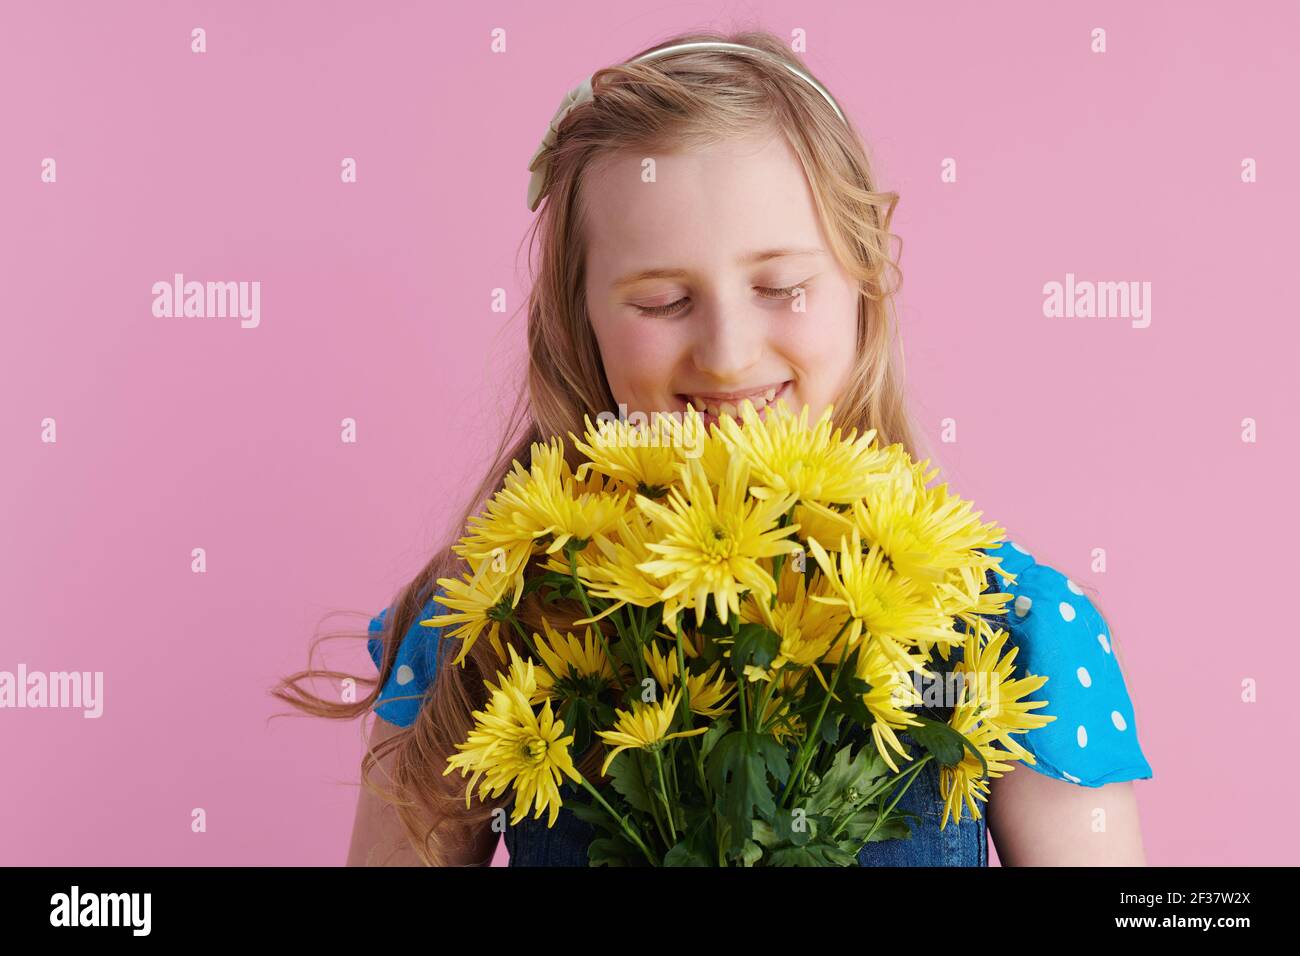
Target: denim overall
[531, 843]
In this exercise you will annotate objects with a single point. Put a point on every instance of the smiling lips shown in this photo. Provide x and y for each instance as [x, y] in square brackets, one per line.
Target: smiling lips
[713, 406]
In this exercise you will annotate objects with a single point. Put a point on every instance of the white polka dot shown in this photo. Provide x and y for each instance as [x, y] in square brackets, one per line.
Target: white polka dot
[1067, 610]
[1023, 604]
[1082, 735]
[1070, 777]
[1105, 644]
[1084, 677]
[405, 675]
[1118, 720]
[1018, 548]
[1073, 587]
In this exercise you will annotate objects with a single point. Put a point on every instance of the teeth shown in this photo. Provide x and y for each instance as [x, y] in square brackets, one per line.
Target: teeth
[718, 409]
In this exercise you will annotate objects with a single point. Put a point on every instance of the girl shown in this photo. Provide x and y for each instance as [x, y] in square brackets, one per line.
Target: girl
[711, 232]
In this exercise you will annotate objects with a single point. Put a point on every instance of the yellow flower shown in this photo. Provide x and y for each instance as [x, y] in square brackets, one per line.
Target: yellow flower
[511, 746]
[993, 692]
[584, 511]
[641, 455]
[892, 692]
[646, 728]
[778, 716]
[544, 502]
[568, 658]
[811, 463]
[713, 547]
[822, 523]
[894, 609]
[989, 712]
[964, 594]
[806, 627]
[519, 514]
[965, 782]
[709, 697]
[481, 600]
[923, 531]
[612, 569]
[714, 453]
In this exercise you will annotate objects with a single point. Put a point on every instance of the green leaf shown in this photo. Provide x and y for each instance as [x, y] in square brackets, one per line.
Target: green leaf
[851, 703]
[944, 743]
[576, 714]
[696, 848]
[765, 834]
[795, 826]
[896, 827]
[559, 584]
[814, 854]
[713, 735]
[625, 775]
[754, 644]
[613, 851]
[830, 729]
[850, 778]
[682, 855]
[595, 815]
[776, 757]
[738, 773]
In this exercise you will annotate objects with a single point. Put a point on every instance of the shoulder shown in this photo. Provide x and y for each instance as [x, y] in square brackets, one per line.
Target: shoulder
[1060, 634]
[418, 657]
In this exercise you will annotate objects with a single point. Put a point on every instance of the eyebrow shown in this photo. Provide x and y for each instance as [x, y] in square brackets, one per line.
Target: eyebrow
[753, 258]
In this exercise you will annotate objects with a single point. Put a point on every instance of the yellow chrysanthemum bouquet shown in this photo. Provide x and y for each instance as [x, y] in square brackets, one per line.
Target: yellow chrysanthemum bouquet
[767, 606]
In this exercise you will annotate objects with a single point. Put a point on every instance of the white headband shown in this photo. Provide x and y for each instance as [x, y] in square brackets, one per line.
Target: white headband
[582, 93]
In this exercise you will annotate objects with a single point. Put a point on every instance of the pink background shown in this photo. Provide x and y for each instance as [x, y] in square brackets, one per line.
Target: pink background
[183, 433]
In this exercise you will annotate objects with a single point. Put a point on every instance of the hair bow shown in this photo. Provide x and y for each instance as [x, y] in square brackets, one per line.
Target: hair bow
[540, 162]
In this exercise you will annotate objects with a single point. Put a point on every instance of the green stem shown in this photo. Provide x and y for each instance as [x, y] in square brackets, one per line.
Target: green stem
[779, 561]
[842, 819]
[528, 643]
[744, 705]
[668, 807]
[792, 694]
[672, 772]
[688, 719]
[633, 835]
[880, 817]
[762, 704]
[635, 755]
[806, 748]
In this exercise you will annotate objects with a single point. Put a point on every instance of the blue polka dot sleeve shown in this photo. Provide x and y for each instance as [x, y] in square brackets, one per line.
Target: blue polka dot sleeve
[1062, 636]
[418, 658]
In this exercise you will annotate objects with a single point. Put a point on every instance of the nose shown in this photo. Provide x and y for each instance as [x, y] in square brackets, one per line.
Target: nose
[729, 341]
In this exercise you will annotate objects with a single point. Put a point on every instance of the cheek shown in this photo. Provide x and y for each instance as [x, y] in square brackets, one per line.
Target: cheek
[639, 360]
[821, 345]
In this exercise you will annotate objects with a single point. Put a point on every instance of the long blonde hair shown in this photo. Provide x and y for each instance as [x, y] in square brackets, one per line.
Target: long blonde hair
[678, 101]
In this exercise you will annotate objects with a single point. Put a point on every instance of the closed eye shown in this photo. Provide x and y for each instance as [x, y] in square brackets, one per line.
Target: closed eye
[673, 308]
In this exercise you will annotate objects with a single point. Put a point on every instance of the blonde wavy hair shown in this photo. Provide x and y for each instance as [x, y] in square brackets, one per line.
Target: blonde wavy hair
[675, 102]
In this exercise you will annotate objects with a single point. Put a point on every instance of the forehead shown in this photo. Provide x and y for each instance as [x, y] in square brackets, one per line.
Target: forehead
[704, 205]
